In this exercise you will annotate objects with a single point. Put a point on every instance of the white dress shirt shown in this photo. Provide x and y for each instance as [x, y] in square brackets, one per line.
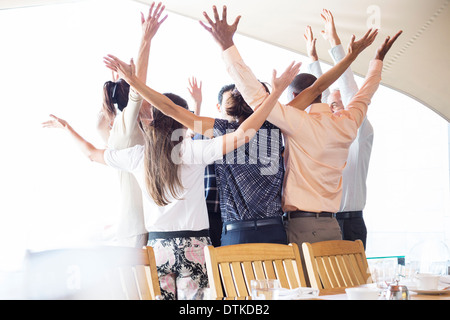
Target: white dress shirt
[354, 189]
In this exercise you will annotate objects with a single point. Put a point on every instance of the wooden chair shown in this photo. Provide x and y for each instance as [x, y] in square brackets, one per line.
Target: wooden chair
[231, 268]
[136, 269]
[336, 264]
[105, 272]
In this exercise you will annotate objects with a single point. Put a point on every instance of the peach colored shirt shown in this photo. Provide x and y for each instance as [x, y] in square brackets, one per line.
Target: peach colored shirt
[316, 143]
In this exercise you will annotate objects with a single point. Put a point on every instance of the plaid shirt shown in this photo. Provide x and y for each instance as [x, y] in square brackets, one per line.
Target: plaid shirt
[211, 194]
[250, 179]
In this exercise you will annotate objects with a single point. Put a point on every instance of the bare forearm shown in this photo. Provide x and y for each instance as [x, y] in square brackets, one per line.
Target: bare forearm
[160, 101]
[166, 106]
[307, 96]
[335, 40]
[329, 77]
[86, 147]
[251, 125]
[142, 60]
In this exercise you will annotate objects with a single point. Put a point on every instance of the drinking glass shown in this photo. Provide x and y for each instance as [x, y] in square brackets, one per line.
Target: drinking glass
[267, 289]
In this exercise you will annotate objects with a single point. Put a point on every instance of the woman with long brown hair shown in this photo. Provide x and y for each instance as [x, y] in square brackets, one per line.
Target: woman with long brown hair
[170, 170]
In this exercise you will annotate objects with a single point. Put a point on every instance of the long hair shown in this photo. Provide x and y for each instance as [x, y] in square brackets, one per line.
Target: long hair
[161, 173]
[115, 93]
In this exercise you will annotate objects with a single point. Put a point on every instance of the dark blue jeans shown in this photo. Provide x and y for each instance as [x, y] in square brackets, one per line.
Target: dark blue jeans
[249, 231]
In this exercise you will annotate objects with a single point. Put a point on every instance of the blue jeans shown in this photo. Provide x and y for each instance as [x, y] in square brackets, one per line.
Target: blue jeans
[248, 231]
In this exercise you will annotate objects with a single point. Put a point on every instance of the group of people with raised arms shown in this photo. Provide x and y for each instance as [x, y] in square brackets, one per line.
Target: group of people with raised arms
[277, 169]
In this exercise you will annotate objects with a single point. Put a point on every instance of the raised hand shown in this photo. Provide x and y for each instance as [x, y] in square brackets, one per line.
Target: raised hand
[329, 33]
[221, 31]
[310, 44]
[55, 123]
[280, 84]
[386, 46]
[356, 47]
[195, 90]
[125, 71]
[151, 25]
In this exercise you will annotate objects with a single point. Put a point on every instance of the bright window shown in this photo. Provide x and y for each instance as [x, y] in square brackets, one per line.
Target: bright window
[51, 62]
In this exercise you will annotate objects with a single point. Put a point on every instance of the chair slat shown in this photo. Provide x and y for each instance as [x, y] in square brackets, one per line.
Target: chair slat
[269, 269]
[334, 276]
[336, 264]
[239, 281]
[283, 273]
[141, 276]
[259, 270]
[343, 266]
[227, 279]
[129, 283]
[323, 273]
[252, 261]
[249, 274]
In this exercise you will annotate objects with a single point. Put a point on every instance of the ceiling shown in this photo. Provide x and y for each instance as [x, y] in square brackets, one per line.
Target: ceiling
[417, 65]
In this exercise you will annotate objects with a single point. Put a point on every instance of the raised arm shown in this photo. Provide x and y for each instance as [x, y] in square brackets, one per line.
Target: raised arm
[314, 67]
[86, 147]
[150, 26]
[307, 96]
[246, 82]
[195, 90]
[202, 125]
[357, 107]
[223, 34]
[329, 33]
[247, 130]
[346, 83]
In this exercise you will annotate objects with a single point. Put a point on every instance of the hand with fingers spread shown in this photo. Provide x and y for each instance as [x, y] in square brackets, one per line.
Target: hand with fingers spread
[195, 90]
[55, 123]
[310, 44]
[86, 147]
[356, 47]
[386, 46]
[280, 84]
[329, 33]
[221, 31]
[151, 25]
[125, 71]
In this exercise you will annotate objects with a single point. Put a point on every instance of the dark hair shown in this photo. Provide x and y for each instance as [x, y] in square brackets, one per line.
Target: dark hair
[115, 93]
[300, 83]
[224, 89]
[161, 173]
[237, 107]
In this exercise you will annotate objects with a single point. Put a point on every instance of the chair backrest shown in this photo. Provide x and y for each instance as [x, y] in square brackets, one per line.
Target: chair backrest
[136, 269]
[231, 268]
[105, 272]
[336, 264]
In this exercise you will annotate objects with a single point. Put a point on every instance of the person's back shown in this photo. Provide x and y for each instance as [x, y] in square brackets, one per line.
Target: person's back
[250, 180]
